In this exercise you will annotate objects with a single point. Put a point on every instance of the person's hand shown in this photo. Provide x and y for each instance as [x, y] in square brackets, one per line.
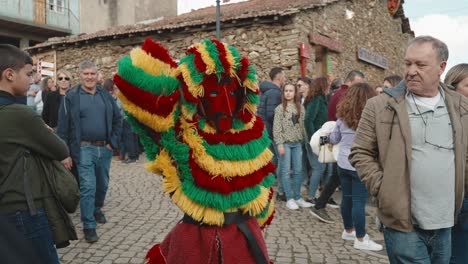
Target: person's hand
[281, 150]
[109, 147]
[67, 163]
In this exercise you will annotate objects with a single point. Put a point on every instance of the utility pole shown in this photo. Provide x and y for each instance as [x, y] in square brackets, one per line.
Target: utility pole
[218, 23]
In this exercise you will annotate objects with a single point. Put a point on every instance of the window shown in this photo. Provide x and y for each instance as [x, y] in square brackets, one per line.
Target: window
[57, 5]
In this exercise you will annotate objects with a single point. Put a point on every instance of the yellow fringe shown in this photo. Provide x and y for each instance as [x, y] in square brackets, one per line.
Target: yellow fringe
[271, 209]
[186, 113]
[225, 168]
[194, 89]
[209, 62]
[250, 85]
[230, 59]
[211, 130]
[153, 121]
[252, 108]
[257, 205]
[171, 184]
[149, 64]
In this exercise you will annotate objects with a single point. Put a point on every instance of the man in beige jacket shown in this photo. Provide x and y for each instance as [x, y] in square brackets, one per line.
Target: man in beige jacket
[410, 151]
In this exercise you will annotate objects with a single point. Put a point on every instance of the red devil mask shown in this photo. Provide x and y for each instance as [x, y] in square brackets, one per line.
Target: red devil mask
[222, 100]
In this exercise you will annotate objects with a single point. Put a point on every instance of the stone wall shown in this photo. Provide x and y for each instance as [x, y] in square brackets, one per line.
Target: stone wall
[277, 44]
[371, 28]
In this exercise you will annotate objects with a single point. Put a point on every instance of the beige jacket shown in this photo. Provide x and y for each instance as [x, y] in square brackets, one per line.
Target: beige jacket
[381, 153]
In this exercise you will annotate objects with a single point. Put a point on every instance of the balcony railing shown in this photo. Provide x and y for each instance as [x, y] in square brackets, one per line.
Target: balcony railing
[41, 12]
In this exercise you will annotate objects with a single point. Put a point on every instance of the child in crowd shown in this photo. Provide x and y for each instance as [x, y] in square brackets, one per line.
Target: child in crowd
[289, 134]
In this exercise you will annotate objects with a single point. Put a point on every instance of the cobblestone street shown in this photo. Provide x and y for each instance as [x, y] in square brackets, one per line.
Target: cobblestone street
[140, 215]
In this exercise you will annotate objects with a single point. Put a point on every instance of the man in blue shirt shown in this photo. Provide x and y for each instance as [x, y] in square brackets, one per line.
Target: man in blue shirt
[90, 123]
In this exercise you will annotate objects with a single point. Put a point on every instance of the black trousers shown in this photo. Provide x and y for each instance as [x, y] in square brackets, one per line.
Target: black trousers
[329, 188]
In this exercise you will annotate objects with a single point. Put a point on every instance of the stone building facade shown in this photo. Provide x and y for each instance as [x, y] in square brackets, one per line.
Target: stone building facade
[333, 33]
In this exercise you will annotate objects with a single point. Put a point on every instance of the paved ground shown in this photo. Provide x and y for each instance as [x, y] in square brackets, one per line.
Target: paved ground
[139, 215]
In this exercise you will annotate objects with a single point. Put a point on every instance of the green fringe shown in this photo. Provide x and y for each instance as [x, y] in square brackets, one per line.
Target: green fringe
[238, 124]
[246, 151]
[214, 54]
[252, 74]
[220, 201]
[157, 85]
[190, 106]
[253, 98]
[237, 57]
[201, 123]
[196, 76]
[180, 154]
[264, 213]
[151, 149]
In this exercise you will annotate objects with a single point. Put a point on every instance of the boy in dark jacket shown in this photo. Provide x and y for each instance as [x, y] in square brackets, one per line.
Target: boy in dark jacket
[23, 134]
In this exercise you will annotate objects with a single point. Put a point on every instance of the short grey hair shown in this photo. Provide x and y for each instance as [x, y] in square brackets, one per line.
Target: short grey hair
[87, 64]
[353, 74]
[437, 44]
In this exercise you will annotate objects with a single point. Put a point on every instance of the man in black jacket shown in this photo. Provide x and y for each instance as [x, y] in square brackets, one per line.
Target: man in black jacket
[90, 123]
[23, 134]
[270, 98]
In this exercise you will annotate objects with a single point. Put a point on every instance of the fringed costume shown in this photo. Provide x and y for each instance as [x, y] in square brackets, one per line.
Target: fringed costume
[197, 121]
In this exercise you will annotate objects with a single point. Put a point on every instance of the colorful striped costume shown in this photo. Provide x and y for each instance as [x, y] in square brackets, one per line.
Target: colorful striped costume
[217, 178]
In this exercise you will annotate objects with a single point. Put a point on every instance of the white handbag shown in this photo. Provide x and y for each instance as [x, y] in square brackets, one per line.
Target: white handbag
[327, 153]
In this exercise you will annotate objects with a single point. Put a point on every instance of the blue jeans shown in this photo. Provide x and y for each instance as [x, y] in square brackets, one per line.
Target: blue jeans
[318, 170]
[353, 205]
[306, 168]
[460, 237]
[292, 158]
[36, 230]
[274, 160]
[93, 170]
[418, 246]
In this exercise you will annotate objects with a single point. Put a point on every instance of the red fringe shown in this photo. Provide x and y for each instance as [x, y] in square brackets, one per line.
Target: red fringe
[271, 194]
[154, 256]
[159, 52]
[241, 137]
[222, 55]
[198, 61]
[270, 219]
[245, 116]
[244, 69]
[187, 95]
[220, 185]
[160, 105]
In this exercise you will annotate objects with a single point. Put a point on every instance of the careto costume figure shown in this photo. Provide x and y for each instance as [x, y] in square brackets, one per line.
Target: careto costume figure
[197, 122]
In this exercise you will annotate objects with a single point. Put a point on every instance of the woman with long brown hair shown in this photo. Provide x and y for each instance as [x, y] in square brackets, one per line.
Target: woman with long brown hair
[355, 193]
[288, 135]
[316, 115]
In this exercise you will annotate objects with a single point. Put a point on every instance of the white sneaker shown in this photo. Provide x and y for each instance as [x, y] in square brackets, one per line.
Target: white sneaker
[348, 236]
[303, 203]
[367, 244]
[292, 205]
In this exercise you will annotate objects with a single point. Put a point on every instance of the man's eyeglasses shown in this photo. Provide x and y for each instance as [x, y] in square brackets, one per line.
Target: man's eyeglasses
[425, 131]
[63, 78]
